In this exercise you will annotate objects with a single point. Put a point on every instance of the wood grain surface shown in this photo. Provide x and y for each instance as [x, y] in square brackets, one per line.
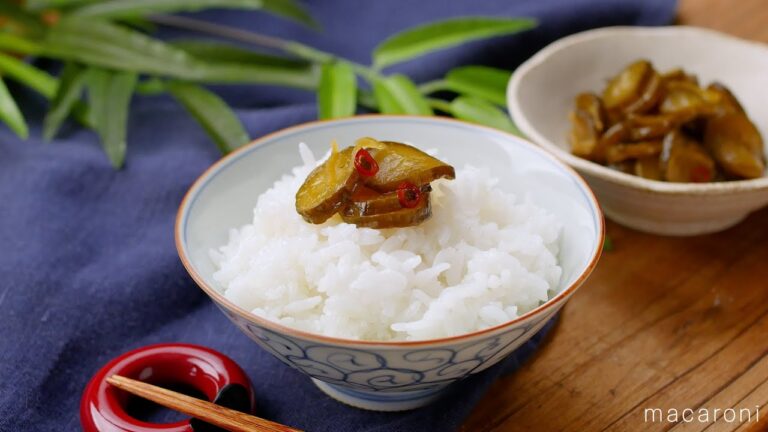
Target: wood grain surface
[668, 323]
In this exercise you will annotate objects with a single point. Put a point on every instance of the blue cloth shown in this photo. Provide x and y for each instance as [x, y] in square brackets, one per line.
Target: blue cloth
[88, 267]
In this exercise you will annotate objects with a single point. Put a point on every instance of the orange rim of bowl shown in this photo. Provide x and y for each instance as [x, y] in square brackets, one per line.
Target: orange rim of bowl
[301, 334]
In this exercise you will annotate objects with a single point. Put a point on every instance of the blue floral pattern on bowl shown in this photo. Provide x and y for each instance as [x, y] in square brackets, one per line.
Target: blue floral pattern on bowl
[390, 378]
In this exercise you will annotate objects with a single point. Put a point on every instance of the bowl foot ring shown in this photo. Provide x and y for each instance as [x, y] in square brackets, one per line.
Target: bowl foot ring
[380, 401]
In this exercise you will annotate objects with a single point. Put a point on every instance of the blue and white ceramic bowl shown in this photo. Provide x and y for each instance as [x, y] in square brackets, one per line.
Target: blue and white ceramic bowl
[389, 376]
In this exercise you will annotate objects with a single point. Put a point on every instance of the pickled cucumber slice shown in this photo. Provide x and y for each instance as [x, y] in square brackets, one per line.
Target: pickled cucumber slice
[336, 186]
[400, 162]
[736, 144]
[683, 160]
[722, 96]
[648, 167]
[403, 217]
[326, 187]
[588, 124]
[365, 201]
[627, 87]
[626, 151]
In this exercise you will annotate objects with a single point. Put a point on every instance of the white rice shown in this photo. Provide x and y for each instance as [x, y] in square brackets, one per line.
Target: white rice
[483, 258]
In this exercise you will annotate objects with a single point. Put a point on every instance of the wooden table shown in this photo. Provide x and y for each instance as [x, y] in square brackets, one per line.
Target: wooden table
[668, 323]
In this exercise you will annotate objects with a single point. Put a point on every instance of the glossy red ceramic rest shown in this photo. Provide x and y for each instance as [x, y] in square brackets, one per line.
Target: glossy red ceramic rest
[102, 408]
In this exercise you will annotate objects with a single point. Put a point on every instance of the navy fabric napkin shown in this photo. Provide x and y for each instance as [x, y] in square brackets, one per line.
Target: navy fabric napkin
[88, 267]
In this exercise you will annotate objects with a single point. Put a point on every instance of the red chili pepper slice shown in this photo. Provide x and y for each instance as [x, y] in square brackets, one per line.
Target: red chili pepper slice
[365, 164]
[701, 174]
[408, 194]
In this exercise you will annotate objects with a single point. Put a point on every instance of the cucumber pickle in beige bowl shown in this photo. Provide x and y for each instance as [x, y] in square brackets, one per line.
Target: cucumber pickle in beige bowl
[542, 90]
[550, 224]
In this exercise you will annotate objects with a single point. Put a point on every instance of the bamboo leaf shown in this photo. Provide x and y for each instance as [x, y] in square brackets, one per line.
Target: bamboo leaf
[111, 46]
[10, 113]
[397, 94]
[289, 9]
[151, 86]
[139, 23]
[216, 51]
[365, 98]
[337, 93]
[113, 9]
[385, 100]
[71, 83]
[38, 5]
[110, 94]
[223, 73]
[213, 114]
[17, 44]
[478, 111]
[25, 22]
[108, 45]
[292, 10]
[28, 75]
[483, 82]
[434, 36]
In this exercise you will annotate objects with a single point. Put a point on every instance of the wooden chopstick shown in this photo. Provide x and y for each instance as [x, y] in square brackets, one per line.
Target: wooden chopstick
[218, 415]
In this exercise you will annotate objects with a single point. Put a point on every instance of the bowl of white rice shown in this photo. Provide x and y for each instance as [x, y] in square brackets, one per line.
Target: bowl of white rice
[385, 319]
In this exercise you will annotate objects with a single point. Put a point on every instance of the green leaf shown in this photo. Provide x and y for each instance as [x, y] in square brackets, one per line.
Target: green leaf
[28, 75]
[337, 93]
[10, 114]
[110, 94]
[111, 46]
[38, 5]
[397, 94]
[292, 10]
[27, 23]
[607, 244]
[215, 51]
[108, 45]
[127, 8]
[438, 35]
[17, 44]
[478, 111]
[113, 9]
[225, 73]
[139, 23]
[151, 86]
[480, 81]
[365, 98]
[213, 114]
[71, 83]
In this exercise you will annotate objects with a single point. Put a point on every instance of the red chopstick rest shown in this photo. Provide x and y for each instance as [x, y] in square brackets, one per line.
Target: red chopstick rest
[219, 378]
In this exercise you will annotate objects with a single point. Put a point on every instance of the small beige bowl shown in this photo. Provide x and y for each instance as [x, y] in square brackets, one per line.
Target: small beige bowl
[541, 91]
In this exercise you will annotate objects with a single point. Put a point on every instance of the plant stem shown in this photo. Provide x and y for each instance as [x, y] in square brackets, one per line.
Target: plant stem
[365, 98]
[297, 49]
[440, 105]
[366, 72]
[185, 23]
[433, 87]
